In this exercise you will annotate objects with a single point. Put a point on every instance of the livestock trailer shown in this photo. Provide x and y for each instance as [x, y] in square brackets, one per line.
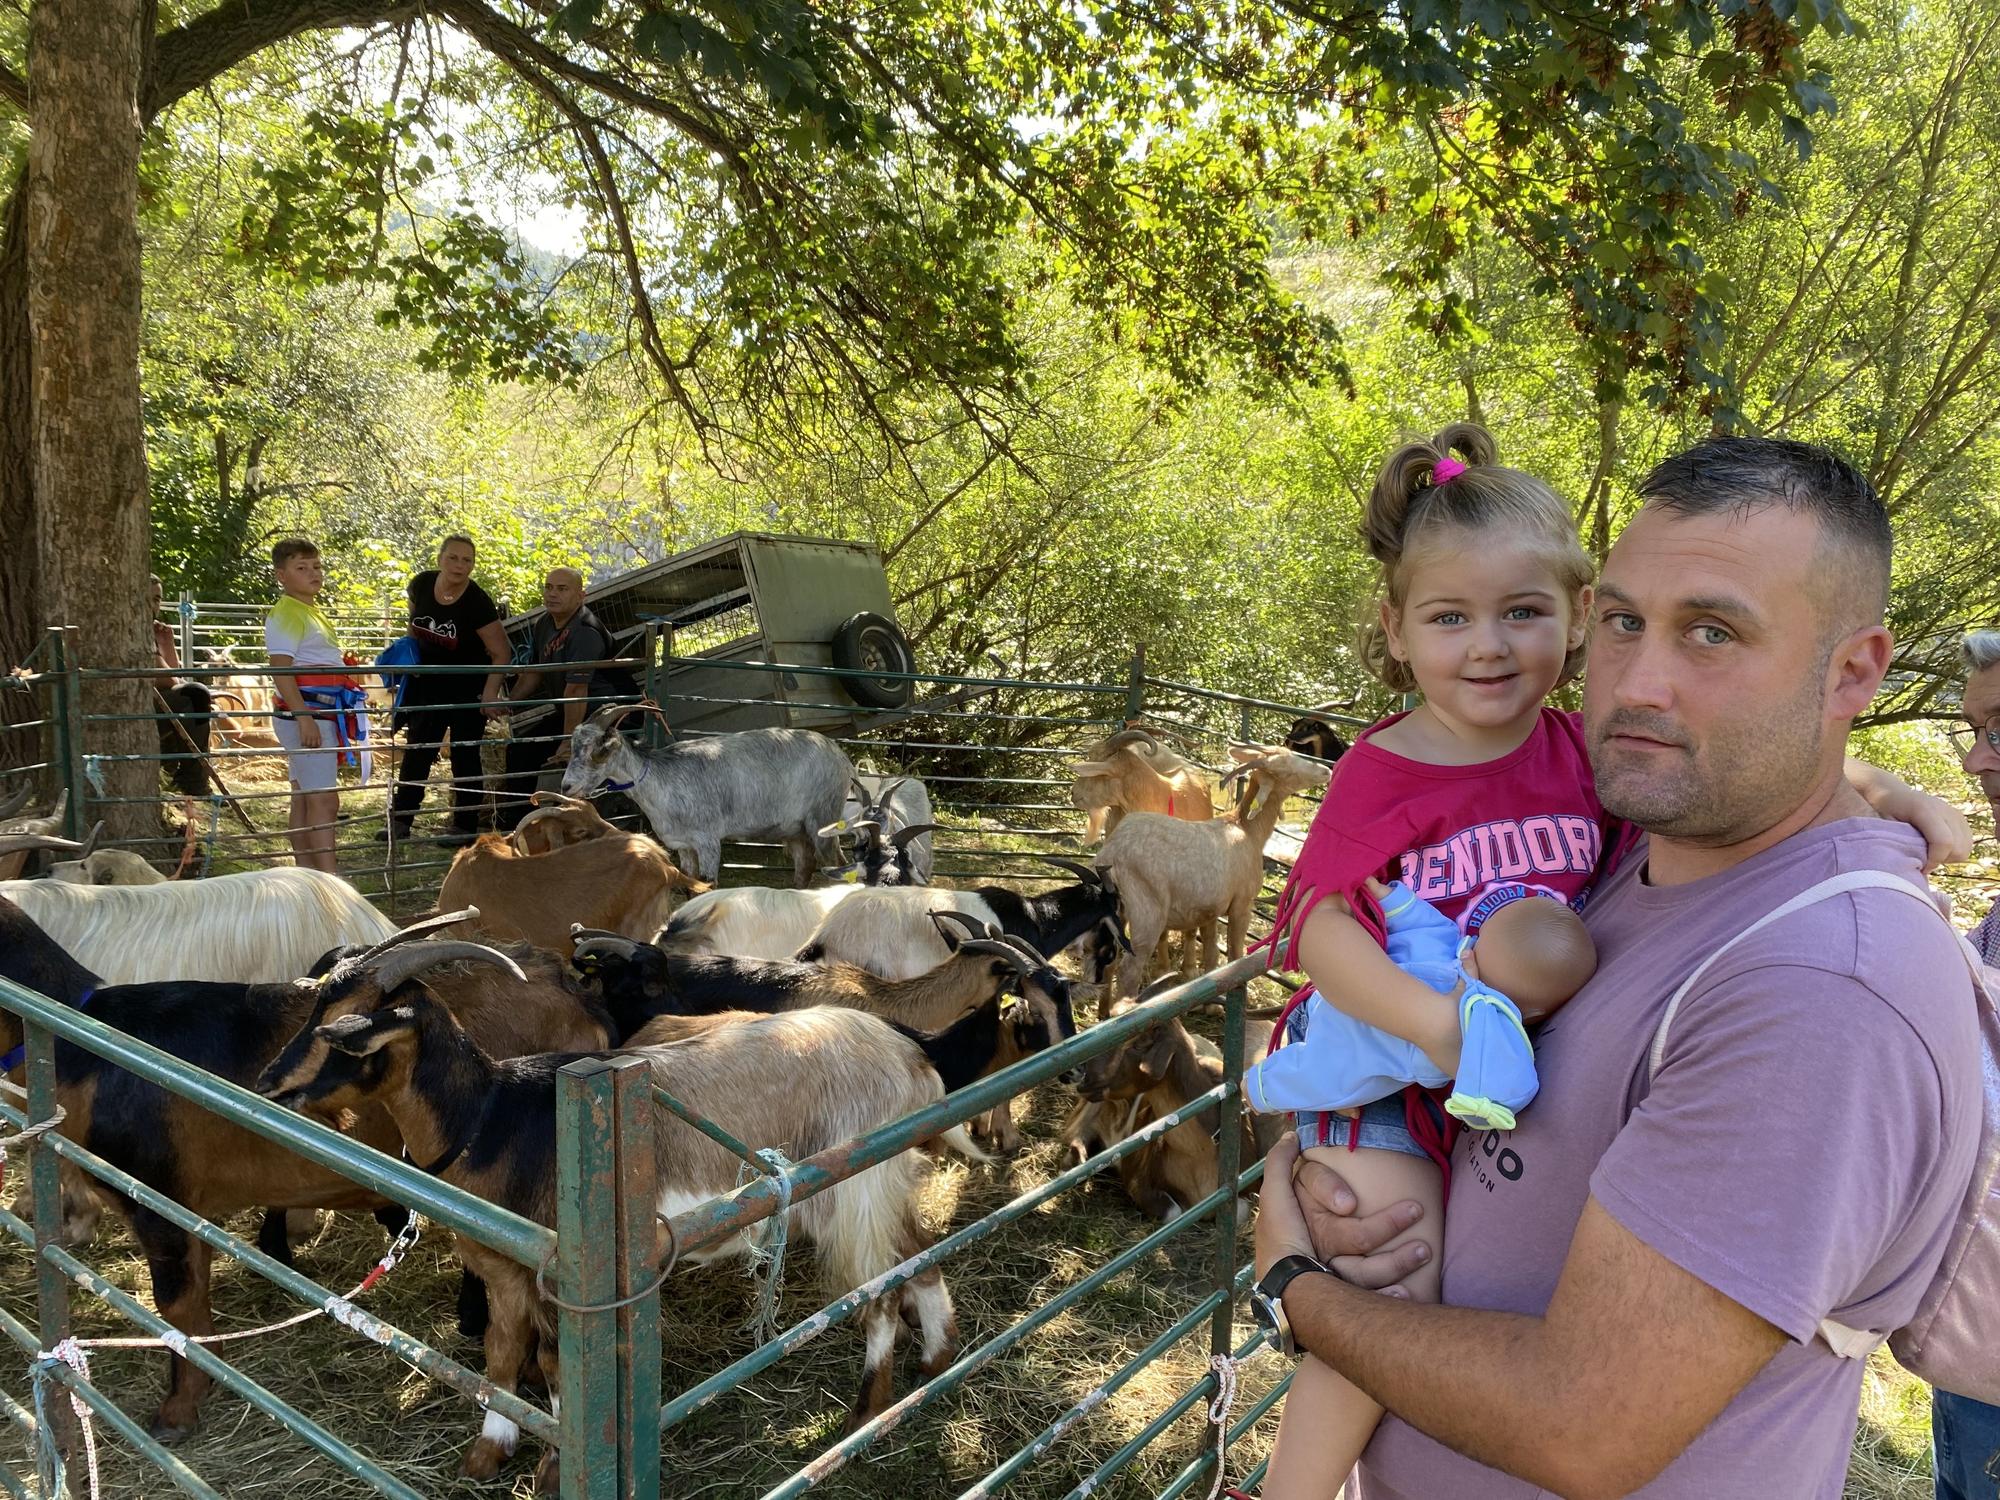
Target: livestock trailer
[754, 599]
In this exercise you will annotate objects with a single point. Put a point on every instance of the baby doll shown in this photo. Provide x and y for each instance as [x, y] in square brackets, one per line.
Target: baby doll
[1529, 956]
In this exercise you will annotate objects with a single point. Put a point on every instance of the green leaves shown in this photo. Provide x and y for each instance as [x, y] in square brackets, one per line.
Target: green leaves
[348, 208]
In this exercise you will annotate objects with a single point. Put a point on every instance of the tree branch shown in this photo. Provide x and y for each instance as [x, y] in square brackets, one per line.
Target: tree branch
[215, 41]
[13, 87]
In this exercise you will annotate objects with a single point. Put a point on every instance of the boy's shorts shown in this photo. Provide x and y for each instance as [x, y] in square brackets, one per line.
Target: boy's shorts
[310, 770]
[1384, 1123]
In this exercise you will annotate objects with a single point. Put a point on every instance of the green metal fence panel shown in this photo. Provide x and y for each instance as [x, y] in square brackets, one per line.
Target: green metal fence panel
[994, 750]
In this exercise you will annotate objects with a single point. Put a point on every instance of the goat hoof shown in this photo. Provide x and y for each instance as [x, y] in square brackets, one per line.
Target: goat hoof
[482, 1460]
[168, 1431]
[548, 1474]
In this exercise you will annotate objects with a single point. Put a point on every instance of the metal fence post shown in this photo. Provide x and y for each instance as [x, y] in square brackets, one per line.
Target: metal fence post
[652, 729]
[68, 702]
[1135, 685]
[45, 1189]
[1229, 1165]
[610, 1360]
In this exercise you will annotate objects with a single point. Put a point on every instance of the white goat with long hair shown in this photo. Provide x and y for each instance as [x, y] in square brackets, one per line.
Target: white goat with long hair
[256, 927]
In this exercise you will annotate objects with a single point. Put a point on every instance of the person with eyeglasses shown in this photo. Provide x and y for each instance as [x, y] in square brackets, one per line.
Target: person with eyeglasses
[1965, 1434]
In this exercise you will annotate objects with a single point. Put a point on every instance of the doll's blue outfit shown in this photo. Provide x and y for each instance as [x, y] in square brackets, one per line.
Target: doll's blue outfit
[1332, 1061]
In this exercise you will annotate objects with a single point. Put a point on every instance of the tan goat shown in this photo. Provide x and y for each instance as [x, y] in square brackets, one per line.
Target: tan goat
[1133, 772]
[1173, 876]
[556, 823]
[623, 883]
[1152, 1075]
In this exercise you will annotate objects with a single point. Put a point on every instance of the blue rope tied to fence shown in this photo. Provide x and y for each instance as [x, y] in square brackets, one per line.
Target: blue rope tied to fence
[768, 1254]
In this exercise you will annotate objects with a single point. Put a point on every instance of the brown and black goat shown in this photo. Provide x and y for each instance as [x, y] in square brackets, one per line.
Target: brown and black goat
[192, 1155]
[801, 1081]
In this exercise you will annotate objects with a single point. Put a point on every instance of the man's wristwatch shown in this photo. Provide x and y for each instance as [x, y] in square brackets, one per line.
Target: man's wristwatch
[1267, 1304]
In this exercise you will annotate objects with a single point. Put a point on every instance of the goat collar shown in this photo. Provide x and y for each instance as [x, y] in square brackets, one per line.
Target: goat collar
[645, 769]
[15, 1058]
[457, 1148]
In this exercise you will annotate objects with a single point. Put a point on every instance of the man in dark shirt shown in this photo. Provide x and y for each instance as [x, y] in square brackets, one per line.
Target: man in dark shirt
[454, 623]
[568, 632]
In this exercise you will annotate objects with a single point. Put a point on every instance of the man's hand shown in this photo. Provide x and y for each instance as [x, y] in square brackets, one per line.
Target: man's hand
[308, 731]
[1305, 1208]
[491, 706]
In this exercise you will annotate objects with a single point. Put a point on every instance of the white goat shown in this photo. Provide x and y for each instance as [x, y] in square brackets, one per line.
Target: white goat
[108, 867]
[257, 927]
[751, 921]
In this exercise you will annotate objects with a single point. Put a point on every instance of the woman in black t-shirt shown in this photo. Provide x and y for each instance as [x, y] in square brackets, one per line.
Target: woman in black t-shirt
[454, 623]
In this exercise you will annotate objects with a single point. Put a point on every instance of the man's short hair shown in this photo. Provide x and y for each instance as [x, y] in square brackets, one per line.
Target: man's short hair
[457, 536]
[291, 547]
[1744, 474]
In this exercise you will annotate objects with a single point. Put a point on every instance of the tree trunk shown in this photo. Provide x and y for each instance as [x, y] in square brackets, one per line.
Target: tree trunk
[20, 590]
[86, 62]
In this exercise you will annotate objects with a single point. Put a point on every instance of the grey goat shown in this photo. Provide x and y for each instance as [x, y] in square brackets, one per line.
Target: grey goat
[783, 784]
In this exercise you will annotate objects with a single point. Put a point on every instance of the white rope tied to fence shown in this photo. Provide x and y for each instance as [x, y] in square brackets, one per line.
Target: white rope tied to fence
[1218, 1415]
[767, 1255]
[28, 1133]
[48, 1461]
[71, 1351]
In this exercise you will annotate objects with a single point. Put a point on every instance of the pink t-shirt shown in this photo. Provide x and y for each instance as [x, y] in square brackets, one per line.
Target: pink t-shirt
[1464, 838]
[1804, 1148]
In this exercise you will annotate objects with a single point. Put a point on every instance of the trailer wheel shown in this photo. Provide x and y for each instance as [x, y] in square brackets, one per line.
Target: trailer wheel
[871, 642]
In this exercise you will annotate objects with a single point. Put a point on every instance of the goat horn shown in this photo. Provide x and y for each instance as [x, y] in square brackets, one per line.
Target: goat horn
[422, 927]
[1126, 737]
[21, 843]
[613, 714]
[1084, 873]
[889, 790]
[903, 836]
[1026, 948]
[16, 802]
[539, 800]
[409, 962]
[581, 937]
[974, 928]
[999, 948]
[860, 792]
[90, 839]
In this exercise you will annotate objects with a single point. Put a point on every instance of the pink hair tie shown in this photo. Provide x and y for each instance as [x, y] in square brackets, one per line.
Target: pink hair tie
[1446, 470]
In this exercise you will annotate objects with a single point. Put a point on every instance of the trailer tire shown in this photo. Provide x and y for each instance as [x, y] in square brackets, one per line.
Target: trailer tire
[872, 642]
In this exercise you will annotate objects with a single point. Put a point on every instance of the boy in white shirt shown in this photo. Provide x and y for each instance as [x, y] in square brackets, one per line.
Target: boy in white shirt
[298, 636]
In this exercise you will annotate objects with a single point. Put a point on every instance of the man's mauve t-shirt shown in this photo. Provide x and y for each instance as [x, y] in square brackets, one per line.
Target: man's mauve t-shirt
[1804, 1148]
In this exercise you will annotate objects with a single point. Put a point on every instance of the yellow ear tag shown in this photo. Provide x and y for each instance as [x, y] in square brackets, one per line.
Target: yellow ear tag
[1009, 1004]
[852, 877]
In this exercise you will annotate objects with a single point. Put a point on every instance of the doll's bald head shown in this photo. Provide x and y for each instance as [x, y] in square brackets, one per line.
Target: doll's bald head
[1536, 953]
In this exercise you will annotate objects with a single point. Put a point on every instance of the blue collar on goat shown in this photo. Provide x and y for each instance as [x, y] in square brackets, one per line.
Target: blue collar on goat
[18, 1055]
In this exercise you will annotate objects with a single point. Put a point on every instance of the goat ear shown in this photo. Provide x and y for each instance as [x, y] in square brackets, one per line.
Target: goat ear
[359, 1035]
[1156, 1056]
[1089, 768]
